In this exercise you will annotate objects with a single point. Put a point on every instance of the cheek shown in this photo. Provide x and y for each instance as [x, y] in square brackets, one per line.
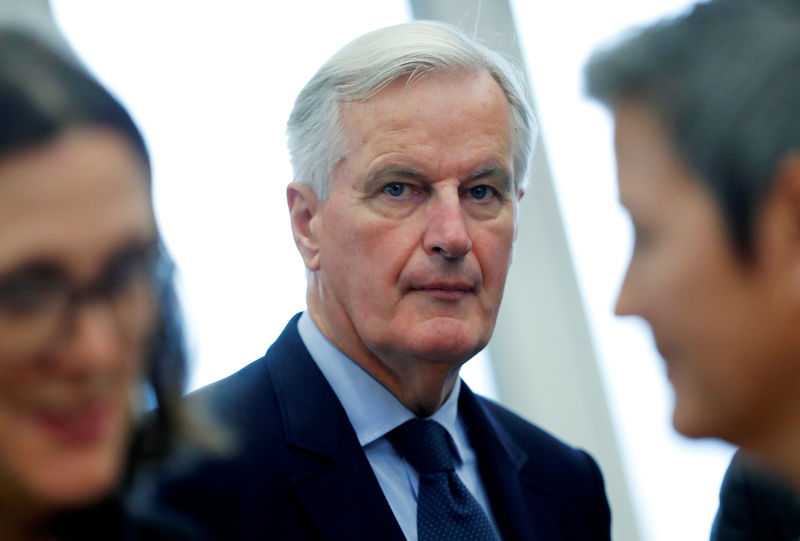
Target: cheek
[366, 254]
[39, 467]
[493, 249]
[45, 473]
[669, 280]
[719, 349]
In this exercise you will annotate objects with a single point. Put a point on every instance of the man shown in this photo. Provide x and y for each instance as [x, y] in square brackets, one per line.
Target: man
[409, 147]
[707, 114]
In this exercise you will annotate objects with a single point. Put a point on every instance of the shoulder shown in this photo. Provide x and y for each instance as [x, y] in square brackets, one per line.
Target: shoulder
[251, 391]
[234, 391]
[229, 491]
[547, 451]
[567, 477]
[521, 429]
[162, 526]
[546, 462]
[120, 517]
[221, 489]
[755, 503]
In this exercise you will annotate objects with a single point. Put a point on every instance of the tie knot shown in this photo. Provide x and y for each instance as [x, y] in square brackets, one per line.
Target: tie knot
[425, 445]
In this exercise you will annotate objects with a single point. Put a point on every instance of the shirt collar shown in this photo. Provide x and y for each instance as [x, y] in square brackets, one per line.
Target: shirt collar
[372, 410]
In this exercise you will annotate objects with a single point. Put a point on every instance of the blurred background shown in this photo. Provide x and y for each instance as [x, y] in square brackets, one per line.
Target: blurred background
[211, 85]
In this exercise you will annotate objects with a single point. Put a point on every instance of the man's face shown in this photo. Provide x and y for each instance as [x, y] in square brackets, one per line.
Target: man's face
[720, 322]
[416, 236]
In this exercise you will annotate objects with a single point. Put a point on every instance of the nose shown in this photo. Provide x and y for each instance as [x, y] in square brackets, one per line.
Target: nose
[94, 338]
[446, 232]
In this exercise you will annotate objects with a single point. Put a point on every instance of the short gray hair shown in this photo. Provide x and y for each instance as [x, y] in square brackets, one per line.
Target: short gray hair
[366, 65]
[724, 80]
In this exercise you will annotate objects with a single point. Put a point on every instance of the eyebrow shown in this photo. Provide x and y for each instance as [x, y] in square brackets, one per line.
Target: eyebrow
[497, 171]
[384, 174]
[54, 265]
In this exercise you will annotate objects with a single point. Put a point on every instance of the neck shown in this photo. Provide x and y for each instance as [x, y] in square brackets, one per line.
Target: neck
[422, 388]
[783, 453]
[778, 444]
[421, 385]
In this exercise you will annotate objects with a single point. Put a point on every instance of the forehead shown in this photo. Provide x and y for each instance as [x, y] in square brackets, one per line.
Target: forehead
[72, 199]
[648, 165]
[466, 111]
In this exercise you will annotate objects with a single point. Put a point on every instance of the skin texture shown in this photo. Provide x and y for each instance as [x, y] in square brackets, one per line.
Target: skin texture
[66, 405]
[408, 256]
[725, 324]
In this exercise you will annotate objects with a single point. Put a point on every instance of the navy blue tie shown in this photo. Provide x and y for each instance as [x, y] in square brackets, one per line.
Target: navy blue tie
[446, 511]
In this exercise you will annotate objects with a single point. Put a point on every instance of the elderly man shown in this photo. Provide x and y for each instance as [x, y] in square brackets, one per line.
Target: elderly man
[707, 114]
[410, 147]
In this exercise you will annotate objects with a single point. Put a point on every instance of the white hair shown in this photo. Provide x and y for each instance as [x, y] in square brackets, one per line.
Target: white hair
[366, 65]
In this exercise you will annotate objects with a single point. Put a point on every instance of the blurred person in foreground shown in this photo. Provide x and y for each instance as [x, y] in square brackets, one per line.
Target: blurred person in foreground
[707, 135]
[87, 309]
[410, 148]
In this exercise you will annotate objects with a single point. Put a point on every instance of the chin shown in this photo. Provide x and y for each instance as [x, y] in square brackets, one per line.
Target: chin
[688, 425]
[698, 419]
[451, 343]
[60, 475]
[80, 480]
[687, 415]
[445, 354]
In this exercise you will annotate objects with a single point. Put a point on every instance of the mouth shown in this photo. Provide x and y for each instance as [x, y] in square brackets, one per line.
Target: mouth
[76, 424]
[444, 290]
[667, 355]
[661, 347]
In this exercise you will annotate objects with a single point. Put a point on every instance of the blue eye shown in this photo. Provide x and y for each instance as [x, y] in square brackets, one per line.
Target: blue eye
[480, 192]
[395, 189]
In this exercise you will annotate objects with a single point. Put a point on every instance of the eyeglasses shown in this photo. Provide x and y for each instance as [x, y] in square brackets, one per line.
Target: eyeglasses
[38, 301]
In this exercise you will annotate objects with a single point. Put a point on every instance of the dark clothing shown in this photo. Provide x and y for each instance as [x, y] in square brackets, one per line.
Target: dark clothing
[116, 519]
[755, 504]
[300, 473]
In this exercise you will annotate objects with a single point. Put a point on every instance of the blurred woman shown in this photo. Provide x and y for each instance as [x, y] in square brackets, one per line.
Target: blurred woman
[87, 310]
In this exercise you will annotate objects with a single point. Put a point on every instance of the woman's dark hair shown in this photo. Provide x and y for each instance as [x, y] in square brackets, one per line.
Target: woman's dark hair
[42, 95]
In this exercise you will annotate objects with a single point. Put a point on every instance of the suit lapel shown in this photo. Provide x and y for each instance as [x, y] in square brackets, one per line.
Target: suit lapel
[521, 510]
[329, 472]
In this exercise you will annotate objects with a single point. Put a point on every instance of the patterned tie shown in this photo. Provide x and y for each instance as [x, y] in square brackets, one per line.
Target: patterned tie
[446, 511]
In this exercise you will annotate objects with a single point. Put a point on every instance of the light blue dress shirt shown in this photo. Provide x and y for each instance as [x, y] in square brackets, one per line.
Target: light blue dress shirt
[374, 412]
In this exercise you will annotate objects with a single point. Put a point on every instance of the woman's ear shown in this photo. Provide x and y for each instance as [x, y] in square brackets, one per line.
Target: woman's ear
[303, 207]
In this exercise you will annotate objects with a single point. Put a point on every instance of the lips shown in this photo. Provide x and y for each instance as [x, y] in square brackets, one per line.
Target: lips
[447, 290]
[445, 286]
[81, 424]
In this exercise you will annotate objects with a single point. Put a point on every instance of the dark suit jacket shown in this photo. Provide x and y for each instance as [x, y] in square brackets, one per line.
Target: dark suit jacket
[755, 505]
[300, 473]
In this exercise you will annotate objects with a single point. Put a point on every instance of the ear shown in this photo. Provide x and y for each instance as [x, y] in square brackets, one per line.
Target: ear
[520, 194]
[777, 233]
[303, 214]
